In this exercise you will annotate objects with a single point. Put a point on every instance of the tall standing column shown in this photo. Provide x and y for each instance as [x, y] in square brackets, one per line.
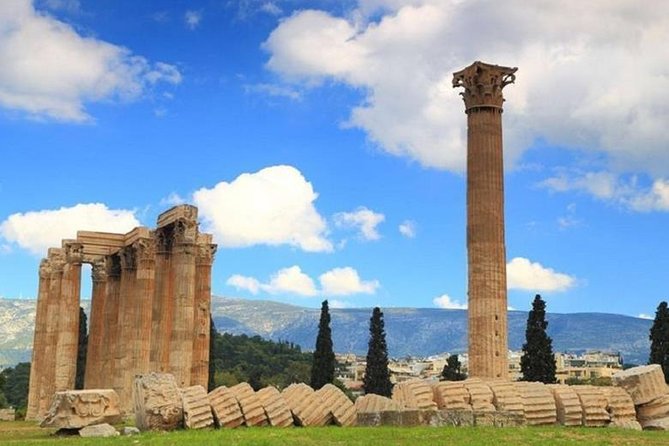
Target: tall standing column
[140, 344]
[68, 336]
[183, 265]
[203, 263]
[126, 319]
[163, 303]
[39, 340]
[96, 339]
[486, 252]
[110, 336]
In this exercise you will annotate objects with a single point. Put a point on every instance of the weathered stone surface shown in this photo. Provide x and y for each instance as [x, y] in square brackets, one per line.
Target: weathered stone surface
[342, 409]
[99, 430]
[372, 403]
[507, 399]
[451, 395]
[644, 383]
[480, 395]
[658, 424]
[657, 408]
[75, 409]
[538, 403]
[620, 407]
[593, 402]
[306, 406]
[157, 402]
[369, 418]
[7, 415]
[130, 430]
[484, 418]
[197, 410]
[254, 414]
[454, 417]
[414, 394]
[568, 405]
[627, 424]
[225, 407]
[276, 408]
[508, 419]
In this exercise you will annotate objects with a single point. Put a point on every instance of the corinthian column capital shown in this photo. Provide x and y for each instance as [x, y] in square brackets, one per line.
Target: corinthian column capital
[483, 84]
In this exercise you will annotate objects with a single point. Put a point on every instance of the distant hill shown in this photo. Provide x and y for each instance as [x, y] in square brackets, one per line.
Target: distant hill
[409, 331]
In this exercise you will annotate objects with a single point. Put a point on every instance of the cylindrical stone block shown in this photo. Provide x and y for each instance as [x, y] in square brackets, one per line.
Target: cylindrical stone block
[68, 328]
[94, 370]
[201, 323]
[39, 340]
[644, 383]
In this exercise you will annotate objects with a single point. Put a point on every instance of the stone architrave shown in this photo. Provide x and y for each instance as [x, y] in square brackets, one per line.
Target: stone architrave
[225, 407]
[157, 402]
[451, 395]
[486, 250]
[341, 407]
[276, 408]
[254, 414]
[538, 403]
[567, 404]
[307, 407]
[74, 409]
[39, 342]
[643, 383]
[197, 410]
[203, 261]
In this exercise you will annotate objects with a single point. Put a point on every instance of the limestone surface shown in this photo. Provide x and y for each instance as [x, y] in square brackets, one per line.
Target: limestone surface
[538, 403]
[157, 402]
[129, 430]
[75, 409]
[99, 430]
[506, 398]
[7, 415]
[652, 410]
[658, 424]
[225, 407]
[644, 383]
[414, 394]
[593, 402]
[276, 408]
[620, 407]
[372, 403]
[568, 405]
[342, 409]
[254, 414]
[306, 406]
[480, 395]
[451, 395]
[197, 410]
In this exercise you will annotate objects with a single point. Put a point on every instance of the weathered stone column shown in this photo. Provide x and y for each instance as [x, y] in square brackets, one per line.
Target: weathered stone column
[126, 320]
[183, 265]
[39, 340]
[163, 302]
[46, 386]
[68, 326]
[140, 343]
[203, 262]
[110, 328]
[488, 345]
[96, 327]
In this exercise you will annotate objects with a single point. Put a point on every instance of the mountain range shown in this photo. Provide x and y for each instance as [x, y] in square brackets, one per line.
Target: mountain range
[409, 331]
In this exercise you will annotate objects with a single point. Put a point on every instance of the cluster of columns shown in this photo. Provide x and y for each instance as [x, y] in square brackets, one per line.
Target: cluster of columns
[486, 251]
[150, 308]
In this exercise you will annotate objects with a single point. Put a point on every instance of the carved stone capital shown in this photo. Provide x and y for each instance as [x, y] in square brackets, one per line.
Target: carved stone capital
[113, 264]
[483, 84]
[185, 231]
[45, 269]
[205, 254]
[128, 255]
[100, 270]
[74, 252]
[164, 239]
[145, 249]
[57, 260]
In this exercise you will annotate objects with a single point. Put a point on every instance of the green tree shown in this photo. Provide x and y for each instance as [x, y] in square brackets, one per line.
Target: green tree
[538, 361]
[453, 370]
[659, 339]
[377, 375]
[81, 350]
[15, 385]
[213, 336]
[323, 366]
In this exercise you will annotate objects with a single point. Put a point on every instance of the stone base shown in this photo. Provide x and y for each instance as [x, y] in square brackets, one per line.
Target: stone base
[74, 409]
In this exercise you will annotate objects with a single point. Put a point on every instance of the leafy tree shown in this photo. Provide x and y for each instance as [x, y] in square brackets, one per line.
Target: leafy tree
[538, 361]
[15, 386]
[453, 370]
[81, 350]
[377, 375]
[213, 333]
[659, 339]
[323, 366]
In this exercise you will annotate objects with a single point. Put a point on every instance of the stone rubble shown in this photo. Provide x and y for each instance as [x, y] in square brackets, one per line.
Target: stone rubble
[538, 403]
[225, 407]
[307, 407]
[644, 383]
[342, 409]
[254, 414]
[74, 409]
[157, 402]
[99, 430]
[568, 405]
[196, 407]
[276, 408]
[594, 402]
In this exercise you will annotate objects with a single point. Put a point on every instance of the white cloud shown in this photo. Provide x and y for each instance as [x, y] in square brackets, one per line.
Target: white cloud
[346, 281]
[591, 75]
[522, 274]
[244, 283]
[445, 301]
[408, 229]
[290, 280]
[271, 8]
[362, 219]
[172, 199]
[192, 19]
[36, 231]
[48, 70]
[274, 206]
[645, 316]
[333, 303]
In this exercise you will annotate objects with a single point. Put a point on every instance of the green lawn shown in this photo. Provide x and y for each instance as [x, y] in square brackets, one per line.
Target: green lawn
[19, 433]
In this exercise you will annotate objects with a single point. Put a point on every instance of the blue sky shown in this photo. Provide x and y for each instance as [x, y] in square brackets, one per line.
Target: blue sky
[325, 147]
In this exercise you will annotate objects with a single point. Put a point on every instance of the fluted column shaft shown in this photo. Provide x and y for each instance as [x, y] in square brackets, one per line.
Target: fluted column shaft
[126, 319]
[203, 263]
[68, 335]
[110, 328]
[39, 340]
[163, 302]
[140, 343]
[94, 364]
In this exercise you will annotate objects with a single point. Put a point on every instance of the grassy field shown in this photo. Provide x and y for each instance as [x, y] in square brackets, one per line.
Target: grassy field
[24, 433]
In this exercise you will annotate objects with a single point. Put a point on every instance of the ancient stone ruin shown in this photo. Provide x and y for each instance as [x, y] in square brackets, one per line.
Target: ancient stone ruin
[486, 251]
[150, 307]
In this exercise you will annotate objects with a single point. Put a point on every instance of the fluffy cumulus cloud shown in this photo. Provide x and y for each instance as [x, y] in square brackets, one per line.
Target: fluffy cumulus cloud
[522, 274]
[49, 70]
[346, 281]
[336, 282]
[37, 231]
[445, 301]
[274, 206]
[363, 220]
[408, 229]
[592, 75]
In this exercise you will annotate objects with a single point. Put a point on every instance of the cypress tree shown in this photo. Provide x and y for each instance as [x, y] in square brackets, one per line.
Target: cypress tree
[377, 375]
[81, 350]
[537, 362]
[322, 369]
[211, 384]
[452, 370]
[659, 339]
